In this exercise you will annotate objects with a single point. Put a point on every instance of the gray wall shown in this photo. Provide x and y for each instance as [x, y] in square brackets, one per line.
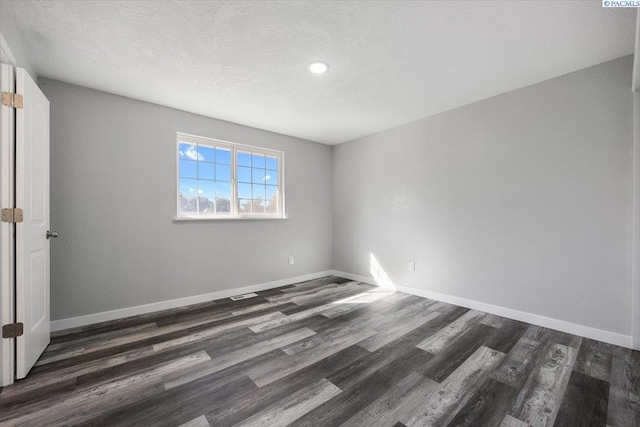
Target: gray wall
[14, 40]
[113, 198]
[635, 298]
[522, 200]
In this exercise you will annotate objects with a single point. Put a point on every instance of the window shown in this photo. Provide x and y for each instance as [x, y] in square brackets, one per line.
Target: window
[218, 179]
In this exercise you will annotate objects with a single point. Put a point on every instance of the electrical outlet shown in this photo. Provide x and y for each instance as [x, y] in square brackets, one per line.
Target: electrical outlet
[291, 260]
[412, 266]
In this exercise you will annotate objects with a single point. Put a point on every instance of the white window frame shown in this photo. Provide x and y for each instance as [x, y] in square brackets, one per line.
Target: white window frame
[234, 147]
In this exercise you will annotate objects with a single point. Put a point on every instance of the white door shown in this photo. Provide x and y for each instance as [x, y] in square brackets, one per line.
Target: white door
[32, 242]
[7, 144]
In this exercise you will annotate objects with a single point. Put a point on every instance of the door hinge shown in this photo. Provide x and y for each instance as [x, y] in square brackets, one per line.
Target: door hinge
[12, 100]
[12, 330]
[12, 215]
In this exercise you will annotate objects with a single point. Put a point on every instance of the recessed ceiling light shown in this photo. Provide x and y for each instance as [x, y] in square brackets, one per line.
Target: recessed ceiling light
[318, 67]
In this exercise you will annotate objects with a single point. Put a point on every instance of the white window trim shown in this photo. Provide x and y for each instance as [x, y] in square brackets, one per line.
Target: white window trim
[234, 214]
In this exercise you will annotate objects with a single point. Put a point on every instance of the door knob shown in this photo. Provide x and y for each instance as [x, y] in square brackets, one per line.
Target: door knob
[52, 234]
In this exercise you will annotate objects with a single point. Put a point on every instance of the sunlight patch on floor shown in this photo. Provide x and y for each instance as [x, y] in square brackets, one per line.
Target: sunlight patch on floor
[365, 297]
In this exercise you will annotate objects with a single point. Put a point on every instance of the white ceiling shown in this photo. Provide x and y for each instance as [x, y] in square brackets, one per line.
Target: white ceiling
[391, 62]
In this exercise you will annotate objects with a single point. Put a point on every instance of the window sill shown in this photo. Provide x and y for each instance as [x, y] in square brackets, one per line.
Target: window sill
[194, 219]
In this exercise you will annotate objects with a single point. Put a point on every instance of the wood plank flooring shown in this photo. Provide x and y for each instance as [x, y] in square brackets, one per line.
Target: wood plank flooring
[326, 352]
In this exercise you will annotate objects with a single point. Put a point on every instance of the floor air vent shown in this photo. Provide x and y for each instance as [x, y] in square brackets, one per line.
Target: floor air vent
[244, 296]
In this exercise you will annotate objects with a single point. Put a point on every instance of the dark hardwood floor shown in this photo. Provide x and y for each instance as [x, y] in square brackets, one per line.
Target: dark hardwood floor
[326, 352]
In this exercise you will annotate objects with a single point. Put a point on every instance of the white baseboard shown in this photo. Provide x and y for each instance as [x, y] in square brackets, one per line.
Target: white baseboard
[89, 319]
[535, 319]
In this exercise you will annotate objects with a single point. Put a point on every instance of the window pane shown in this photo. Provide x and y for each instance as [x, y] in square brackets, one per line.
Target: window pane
[223, 173]
[271, 191]
[188, 169]
[205, 170]
[244, 191]
[257, 161]
[206, 188]
[244, 174]
[187, 190]
[223, 189]
[258, 191]
[190, 151]
[188, 187]
[188, 204]
[271, 178]
[272, 162]
[223, 205]
[183, 148]
[258, 176]
[257, 206]
[244, 159]
[223, 156]
[210, 180]
[205, 154]
[205, 205]
[244, 205]
[272, 205]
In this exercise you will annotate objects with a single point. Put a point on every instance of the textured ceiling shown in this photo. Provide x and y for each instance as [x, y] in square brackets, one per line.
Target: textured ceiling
[245, 61]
